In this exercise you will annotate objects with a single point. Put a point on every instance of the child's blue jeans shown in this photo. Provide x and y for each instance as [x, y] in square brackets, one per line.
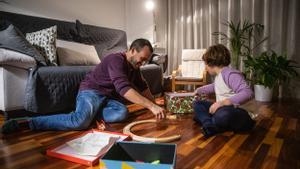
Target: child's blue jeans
[226, 118]
[89, 105]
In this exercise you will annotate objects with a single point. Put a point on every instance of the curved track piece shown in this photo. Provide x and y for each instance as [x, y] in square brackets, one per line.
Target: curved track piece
[127, 129]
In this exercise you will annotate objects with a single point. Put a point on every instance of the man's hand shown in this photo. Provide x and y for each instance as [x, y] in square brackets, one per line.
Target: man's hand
[136, 98]
[214, 107]
[158, 111]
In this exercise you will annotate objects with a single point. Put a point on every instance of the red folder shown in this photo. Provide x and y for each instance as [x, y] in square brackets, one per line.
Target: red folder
[65, 152]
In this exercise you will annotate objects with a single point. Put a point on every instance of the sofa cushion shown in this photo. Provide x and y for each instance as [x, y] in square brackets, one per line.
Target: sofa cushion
[11, 38]
[4, 24]
[106, 41]
[45, 41]
[83, 33]
[17, 59]
[72, 53]
[192, 54]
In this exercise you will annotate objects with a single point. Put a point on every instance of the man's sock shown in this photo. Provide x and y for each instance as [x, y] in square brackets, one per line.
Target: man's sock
[14, 125]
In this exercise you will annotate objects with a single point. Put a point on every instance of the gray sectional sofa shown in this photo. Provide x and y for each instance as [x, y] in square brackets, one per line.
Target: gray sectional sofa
[32, 89]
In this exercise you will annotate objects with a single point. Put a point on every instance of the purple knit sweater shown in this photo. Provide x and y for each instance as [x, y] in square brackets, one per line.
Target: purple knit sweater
[113, 77]
[235, 81]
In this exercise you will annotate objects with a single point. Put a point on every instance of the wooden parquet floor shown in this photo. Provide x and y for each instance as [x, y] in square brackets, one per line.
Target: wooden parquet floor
[274, 143]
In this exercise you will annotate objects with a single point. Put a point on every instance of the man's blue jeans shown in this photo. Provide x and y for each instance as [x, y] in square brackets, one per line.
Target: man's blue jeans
[89, 105]
[226, 118]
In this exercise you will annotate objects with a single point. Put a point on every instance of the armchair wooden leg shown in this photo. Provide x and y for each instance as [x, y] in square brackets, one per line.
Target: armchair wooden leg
[173, 85]
[173, 81]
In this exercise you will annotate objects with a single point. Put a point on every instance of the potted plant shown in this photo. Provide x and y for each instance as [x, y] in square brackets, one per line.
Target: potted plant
[286, 71]
[240, 38]
[267, 70]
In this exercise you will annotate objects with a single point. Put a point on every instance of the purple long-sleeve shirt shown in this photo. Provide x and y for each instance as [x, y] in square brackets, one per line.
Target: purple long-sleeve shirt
[113, 77]
[236, 82]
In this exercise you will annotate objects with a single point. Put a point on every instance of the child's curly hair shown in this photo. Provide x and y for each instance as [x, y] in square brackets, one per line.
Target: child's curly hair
[217, 55]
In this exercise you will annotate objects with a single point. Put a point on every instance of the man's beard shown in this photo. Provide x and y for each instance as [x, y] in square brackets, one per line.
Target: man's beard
[134, 63]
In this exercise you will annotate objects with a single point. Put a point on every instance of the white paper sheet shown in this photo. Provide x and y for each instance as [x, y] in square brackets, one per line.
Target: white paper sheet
[91, 144]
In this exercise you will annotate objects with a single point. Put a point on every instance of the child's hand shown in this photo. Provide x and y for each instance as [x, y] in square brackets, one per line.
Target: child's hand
[214, 107]
[199, 96]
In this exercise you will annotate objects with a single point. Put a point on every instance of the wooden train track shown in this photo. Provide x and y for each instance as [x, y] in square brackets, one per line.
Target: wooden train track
[127, 130]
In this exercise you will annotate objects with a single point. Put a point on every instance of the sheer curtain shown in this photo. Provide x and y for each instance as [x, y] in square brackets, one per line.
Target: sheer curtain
[192, 22]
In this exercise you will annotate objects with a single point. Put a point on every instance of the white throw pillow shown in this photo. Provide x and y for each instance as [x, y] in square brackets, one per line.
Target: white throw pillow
[73, 53]
[44, 41]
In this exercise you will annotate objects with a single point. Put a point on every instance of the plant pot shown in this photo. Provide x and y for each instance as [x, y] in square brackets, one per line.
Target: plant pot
[262, 93]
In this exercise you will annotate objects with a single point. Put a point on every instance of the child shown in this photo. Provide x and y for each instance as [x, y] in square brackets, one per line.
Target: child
[231, 90]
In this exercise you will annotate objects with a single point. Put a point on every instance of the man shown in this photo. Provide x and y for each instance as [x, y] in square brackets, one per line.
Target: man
[117, 75]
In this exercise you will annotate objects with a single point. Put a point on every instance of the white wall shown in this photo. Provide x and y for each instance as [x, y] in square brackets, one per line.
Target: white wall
[139, 21]
[107, 13]
[128, 15]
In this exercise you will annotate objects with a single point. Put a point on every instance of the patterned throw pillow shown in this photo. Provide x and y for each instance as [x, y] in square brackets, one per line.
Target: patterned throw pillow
[45, 41]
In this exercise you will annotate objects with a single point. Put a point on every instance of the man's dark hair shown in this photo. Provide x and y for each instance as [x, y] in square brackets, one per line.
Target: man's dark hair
[217, 55]
[138, 44]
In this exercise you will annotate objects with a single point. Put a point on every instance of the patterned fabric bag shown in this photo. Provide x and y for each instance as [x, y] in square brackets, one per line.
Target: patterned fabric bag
[179, 102]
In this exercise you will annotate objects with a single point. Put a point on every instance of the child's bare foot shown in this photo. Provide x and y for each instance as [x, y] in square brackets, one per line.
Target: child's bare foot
[263, 113]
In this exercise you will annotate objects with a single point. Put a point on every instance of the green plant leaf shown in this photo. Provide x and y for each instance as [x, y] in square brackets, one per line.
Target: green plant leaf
[240, 37]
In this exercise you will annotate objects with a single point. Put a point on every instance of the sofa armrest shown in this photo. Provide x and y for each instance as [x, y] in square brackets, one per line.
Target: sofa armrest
[153, 75]
[16, 59]
[160, 59]
[12, 87]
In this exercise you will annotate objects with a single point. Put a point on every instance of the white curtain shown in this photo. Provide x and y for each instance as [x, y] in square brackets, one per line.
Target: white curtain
[192, 22]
